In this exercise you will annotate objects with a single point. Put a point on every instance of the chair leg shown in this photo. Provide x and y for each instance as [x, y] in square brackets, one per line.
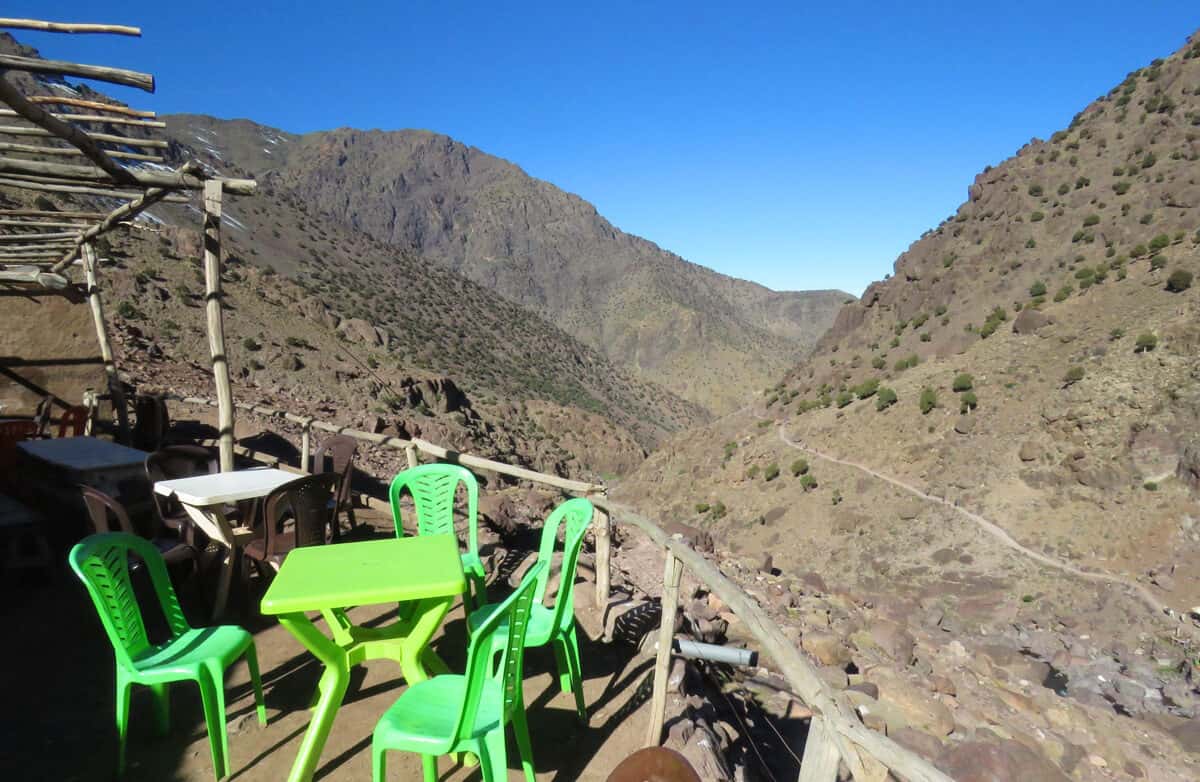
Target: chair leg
[256, 683]
[212, 694]
[576, 674]
[162, 708]
[350, 514]
[378, 762]
[521, 729]
[493, 763]
[429, 767]
[123, 688]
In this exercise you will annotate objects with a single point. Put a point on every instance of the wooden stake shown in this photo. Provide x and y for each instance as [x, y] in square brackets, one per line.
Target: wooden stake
[603, 557]
[115, 390]
[410, 454]
[143, 81]
[216, 329]
[666, 634]
[305, 445]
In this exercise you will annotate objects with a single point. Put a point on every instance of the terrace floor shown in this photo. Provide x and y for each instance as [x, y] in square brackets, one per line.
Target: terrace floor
[59, 720]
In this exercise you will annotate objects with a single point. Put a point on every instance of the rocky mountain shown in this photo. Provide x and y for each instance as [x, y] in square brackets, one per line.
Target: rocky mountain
[705, 336]
[995, 452]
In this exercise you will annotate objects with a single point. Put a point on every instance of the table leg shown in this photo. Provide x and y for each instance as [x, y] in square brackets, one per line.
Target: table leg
[212, 520]
[332, 687]
[414, 651]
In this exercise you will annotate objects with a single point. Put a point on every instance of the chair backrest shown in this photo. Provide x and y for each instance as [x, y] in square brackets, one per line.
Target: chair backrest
[73, 421]
[102, 563]
[487, 644]
[152, 422]
[42, 412]
[177, 461]
[106, 513]
[306, 501]
[577, 515]
[433, 487]
[340, 449]
[11, 433]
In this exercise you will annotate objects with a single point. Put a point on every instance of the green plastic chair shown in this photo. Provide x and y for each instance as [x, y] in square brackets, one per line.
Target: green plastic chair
[199, 654]
[451, 714]
[556, 625]
[432, 487]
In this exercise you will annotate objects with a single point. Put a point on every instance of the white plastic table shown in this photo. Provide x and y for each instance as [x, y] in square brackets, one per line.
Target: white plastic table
[204, 497]
[83, 454]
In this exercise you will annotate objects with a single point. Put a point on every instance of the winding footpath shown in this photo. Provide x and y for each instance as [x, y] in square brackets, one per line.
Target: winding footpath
[999, 533]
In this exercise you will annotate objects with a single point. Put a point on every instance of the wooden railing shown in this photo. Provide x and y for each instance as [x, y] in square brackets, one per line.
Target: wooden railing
[835, 733]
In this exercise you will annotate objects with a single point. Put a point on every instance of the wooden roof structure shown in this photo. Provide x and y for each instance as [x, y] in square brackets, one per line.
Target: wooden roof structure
[58, 143]
[41, 138]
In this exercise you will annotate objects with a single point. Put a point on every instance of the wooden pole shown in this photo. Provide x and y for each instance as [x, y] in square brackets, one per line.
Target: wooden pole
[110, 367]
[143, 81]
[305, 445]
[92, 104]
[666, 634]
[45, 149]
[820, 763]
[410, 453]
[216, 329]
[69, 27]
[74, 173]
[149, 143]
[132, 121]
[603, 557]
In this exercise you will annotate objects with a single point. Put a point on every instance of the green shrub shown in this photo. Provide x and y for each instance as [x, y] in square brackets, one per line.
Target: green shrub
[1090, 220]
[808, 482]
[1116, 334]
[1037, 217]
[928, 400]
[126, 310]
[878, 362]
[1064, 293]
[885, 398]
[1179, 281]
[1035, 190]
[844, 398]
[1030, 243]
[718, 509]
[1145, 343]
[1064, 188]
[752, 472]
[249, 343]
[1150, 486]
[799, 467]
[771, 472]
[1157, 262]
[1085, 273]
[702, 507]
[963, 382]
[1074, 375]
[967, 402]
[866, 388]
[1082, 182]
[1159, 243]
[1037, 289]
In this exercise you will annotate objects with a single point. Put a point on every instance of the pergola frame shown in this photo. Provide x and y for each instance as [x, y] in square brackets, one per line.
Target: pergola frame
[39, 248]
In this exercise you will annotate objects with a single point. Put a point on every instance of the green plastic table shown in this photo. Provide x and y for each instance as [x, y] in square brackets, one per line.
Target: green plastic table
[426, 571]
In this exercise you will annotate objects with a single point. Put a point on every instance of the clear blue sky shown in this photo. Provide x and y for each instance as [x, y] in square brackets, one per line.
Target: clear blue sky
[800, 147]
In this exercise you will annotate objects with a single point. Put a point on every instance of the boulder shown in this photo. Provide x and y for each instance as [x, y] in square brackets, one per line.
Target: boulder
[893, 640]
[1188, 470]
[1004, 761]
[826, 647]
[964, 424]
[358, 332]
[918, 707]
[696, 538]
[1029, 452]
[1030, 320]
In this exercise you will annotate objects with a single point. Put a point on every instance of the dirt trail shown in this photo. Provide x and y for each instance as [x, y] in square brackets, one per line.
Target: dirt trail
[1000, 534]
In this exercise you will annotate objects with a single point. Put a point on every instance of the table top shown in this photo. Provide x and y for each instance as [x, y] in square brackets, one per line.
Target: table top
[222, 488]
[338, 575]
[83, 453]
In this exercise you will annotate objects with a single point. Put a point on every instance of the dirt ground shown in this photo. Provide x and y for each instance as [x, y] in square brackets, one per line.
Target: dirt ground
[59, 722]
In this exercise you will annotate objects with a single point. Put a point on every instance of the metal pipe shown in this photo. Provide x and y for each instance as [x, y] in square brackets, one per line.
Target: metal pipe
[718, 654]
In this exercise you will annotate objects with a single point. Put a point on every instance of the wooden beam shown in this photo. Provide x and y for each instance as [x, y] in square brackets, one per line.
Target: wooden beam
[55, 246]
[107, 138]
[163, 179]
[603, 533]
[143, 81]
[57, 186]
[141, 123]
[820, 763]
[115, 390]
[51, 213]
[64, 130]
[94, 105]
[69, 27]
[26, 237]
[121, 213]
[216, 329]
[666, 633]
[37, 277]
[43, 224]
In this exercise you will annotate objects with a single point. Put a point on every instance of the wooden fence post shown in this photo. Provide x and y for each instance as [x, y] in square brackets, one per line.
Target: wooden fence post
[666, 634]
[305, 437]
[216, 329]
[116, 392]
[820, 763]
[410, 452]
[603, 558]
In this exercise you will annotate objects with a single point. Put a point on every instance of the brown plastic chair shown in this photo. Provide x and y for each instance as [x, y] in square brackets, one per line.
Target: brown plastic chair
[152, 422]
[74, 420]
[11, 433]
[306, 503]
[340, 450]
[107, 514]
[178, 461]
[654, 764]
